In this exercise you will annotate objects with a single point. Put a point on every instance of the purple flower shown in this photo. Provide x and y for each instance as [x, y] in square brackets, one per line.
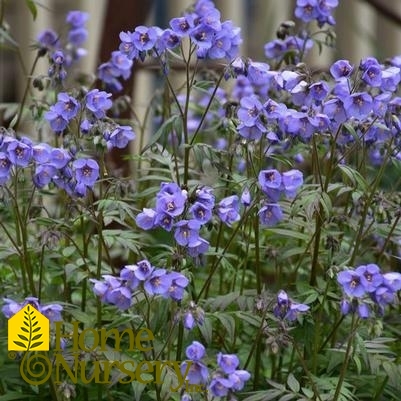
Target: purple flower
[10, 308]
[143, 270]
[41, 152]
[363, 310]
[270, 214]
[165, 221]
[52, 312]
[370, 276]
[159, 282]
[67, 106]
[228, 210]
[250, 111]
[59, 157]
[127, 45]
[200, 212]
[306, 10]
[238, 379]
[43, 174]
[127, 274]
[146, 219]
[318, 91]
[392, 280]
[189, 320]
[246, 197]
[167, 40]
[198, 373]
[178, 282]
[5, 165]
[86, 171]
[291, 181]
[120, 297]
[372, 75]
[103, 288]
[121, 136]
[76, 18]
[334, 109]
[220, 386]
[227, 362]
[205, 196]
[48, 39]
[358, 105]
[144, 38]
[390, 78]
[170, 199]
[286, 308]
[345, 306]
[55, 118]
[351, 283]
[259, 73]
[121, 64]
[77, 36]
[186, 232]
[58, 57]
[270, 182]
[182, 25]
[341, 69]
[19, 153]
[98, 102]
[202, 36]
[196, 351]
[198, 247]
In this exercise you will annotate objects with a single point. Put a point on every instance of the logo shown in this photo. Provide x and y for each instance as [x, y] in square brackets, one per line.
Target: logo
[29, 333]
[28, 330]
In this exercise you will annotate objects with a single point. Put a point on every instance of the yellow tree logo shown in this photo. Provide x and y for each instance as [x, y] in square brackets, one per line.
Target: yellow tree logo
[28, 330]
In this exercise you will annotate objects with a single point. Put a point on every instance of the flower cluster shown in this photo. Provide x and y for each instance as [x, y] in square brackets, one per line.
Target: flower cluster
[62, 55]
[209, 36]
[286, 309]
[91, 113]
[119, 291]
[316, 10]
[366, 287]
[51, 311]
[50, 165]
[273, 185]
[225, 380]
[172, 203]
[190, 316]
[321, 107]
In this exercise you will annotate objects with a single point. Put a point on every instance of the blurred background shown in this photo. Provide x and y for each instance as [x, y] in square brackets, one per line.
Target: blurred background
[364, 28]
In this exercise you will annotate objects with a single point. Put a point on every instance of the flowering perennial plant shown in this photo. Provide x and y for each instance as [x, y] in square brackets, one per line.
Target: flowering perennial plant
[256, 236]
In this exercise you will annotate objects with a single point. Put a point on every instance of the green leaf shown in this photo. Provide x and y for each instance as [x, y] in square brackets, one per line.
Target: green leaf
[293, 383]
[165, 129]
[289, 233]
[36, 337]
[32, 8]
[22, 337]
[20, 344]
[14, 396]
[228, 323]
[206, 330]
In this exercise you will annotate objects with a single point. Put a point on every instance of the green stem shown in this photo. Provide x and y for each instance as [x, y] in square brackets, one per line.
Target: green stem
[217, 260]
[344, 366]
[27, 88]
[306, 370]
[368, 203]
